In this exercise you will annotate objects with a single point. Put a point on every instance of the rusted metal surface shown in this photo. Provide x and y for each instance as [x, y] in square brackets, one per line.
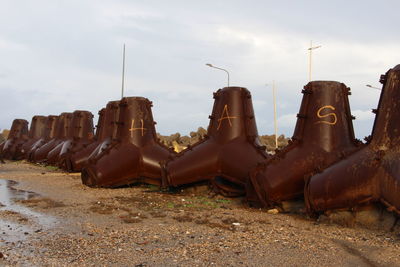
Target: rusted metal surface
[136, 154]
[80, 136]
[53, 145]
[323, 135]
[48, 134]
[1, 152]
[229, 150]
[74, 161]
[106, 127]
[109, 136]
[16, 138]
[370, 174]
[36, 131]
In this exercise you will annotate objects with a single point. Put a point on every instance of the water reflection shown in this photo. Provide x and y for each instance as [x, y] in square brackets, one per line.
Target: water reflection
[8, 194]
[12, 231]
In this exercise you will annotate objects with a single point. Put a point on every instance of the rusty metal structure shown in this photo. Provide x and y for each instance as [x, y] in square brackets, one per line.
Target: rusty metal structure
[80, 136]
[323, 135]
[47, 134]
[1, 151]
[105, 134]
[136, 153]
[370, 174]
[110, 135]
[228, 152]
[68, 162]
[36, 131]
[60, 135]
[11, 148]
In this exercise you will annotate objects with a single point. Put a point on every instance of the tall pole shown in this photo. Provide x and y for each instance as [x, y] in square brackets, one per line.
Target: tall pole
[373, 87]
[309, 62]
[123, 72]
[275, 122]
[218, 68]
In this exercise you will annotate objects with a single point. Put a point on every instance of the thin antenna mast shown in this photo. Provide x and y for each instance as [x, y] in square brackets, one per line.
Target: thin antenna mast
[275, 122]
[123, 73]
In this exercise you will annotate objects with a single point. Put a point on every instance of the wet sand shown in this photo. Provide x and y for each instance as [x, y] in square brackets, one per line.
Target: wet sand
[48, 218]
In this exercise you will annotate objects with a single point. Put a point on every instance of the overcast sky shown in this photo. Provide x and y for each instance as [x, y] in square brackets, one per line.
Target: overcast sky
[59, 56]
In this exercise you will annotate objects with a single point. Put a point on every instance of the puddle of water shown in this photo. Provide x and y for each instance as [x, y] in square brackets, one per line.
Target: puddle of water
[12, 231]
[8, 194]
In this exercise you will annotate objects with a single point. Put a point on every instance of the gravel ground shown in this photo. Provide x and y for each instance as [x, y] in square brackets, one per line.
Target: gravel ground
[48, 218]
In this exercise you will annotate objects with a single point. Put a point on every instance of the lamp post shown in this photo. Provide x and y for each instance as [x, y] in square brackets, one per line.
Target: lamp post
[123, 72]
[373, 87]
[311, 48]
[275, 121]
[218, 68]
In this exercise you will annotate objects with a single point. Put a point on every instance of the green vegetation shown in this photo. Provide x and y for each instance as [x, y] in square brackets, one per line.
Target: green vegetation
[52, 168]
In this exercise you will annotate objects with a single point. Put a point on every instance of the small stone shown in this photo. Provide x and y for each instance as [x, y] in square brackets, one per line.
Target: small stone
[273, 211]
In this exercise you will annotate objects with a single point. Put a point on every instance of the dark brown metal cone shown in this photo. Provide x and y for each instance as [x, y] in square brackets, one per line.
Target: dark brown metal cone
[76, 160]
[230, 150]
[82, 136]
[323, 134]
[106, 128]
[1, 151]
[60, 135]
[36, 131]
[16, 138]
[66, 135]
[371, 174]
[136, 154]
[48, 133]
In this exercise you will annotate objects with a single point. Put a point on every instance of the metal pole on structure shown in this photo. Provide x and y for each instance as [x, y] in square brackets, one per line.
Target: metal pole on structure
[311, 48]
[275, 122]
[123, 72]
[309, 62]
[218, 68]
[373, 87]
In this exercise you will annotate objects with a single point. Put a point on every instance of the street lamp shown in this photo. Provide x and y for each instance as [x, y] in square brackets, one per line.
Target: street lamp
[123, 72]
[275, 121]
[212, 66]
[373, 87]
[311, 48]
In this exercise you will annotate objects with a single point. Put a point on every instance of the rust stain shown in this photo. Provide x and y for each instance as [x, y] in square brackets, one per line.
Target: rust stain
[370, 174]
[226, 155]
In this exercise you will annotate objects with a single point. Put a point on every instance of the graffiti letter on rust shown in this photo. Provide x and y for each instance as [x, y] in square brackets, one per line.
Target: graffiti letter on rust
[327, 115]
[134, 129]
[224, 116]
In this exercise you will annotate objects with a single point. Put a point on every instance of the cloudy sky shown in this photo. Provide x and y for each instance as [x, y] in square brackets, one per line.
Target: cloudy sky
[58, 56]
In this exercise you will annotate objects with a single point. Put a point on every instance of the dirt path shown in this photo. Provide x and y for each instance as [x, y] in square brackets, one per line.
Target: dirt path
[60, 222]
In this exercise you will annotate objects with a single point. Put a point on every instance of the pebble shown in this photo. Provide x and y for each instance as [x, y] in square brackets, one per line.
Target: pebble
[273, 211]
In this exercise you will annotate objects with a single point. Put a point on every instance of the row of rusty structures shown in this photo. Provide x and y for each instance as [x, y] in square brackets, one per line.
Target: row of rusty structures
[324, 163]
